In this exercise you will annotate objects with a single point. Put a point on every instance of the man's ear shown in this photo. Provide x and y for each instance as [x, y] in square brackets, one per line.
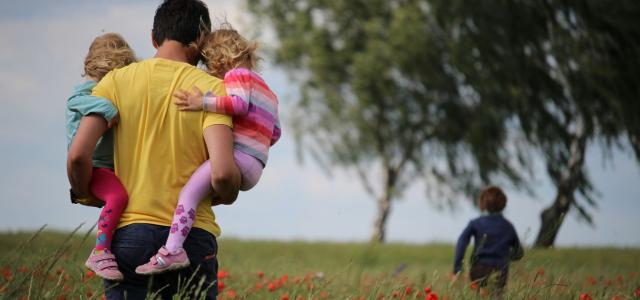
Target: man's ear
[153, 41]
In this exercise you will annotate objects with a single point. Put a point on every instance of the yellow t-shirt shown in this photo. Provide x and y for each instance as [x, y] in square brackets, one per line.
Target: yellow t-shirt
[157, 147]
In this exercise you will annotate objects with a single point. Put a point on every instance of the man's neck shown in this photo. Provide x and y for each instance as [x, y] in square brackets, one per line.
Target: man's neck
[172, 50]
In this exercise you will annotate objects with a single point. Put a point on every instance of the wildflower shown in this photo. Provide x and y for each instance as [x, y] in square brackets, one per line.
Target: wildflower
[591, 280]
[284, 297]
[407, 290]
[89, 294]
[540, 272]
[6, 273]
[220, 286]
[271, 287]
[616, 297]
[89, 274]
[395, 294]
[637, 293]
[231, 294]
[324, 294]
[260, 274]
[222, 274]
[431, 296]
[259, 286]
[585, 296]
[474, 285]
[608, 282]
[61, 297]
[284, 279]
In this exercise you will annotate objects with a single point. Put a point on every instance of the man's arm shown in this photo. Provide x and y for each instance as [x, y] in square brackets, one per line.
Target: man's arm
[225, 176]
[79, 158]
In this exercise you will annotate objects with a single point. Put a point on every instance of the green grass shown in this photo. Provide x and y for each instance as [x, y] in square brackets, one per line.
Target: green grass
[326, 270]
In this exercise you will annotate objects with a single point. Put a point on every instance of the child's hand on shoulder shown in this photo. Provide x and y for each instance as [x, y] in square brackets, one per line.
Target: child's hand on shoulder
[188, 101]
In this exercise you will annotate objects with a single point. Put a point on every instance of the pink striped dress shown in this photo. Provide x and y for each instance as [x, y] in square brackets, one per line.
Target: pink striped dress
[254, 108]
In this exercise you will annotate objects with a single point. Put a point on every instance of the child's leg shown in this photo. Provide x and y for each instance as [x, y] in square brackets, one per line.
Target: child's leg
[198, 186]
[106, 186]
[250, 169]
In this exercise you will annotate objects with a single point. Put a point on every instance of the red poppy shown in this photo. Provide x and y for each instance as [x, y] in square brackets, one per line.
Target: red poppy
[431, 296]
[6, 273]
[585, 296]
[591, 280]
[89, 294]
[407, 290]
[474, 285]
[540, 272]
[395, 294]
[284, 297]
[260, 274]
[222, 274]
[324, 294]
[231, 294]
[271, 287]
[220, 286]
[637, 293]
[616, 297]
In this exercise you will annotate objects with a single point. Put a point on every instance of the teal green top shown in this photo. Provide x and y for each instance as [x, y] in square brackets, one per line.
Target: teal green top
[80, 104]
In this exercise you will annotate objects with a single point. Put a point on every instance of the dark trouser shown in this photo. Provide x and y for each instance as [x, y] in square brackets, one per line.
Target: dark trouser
[133, 245]
[484, 274]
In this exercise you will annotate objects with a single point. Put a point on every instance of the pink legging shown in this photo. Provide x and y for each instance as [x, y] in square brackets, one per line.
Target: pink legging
[198, 186]
[106, 186]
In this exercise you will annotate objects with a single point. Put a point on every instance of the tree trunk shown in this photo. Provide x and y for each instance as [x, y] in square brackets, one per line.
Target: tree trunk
[553, 216]
[384, 207]
[380, 224]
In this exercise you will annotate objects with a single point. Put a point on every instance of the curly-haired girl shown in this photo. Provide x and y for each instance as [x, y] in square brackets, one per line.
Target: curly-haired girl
[107, 52]
[256, 128]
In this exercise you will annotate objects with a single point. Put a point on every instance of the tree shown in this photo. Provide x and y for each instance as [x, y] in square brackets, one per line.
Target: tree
[380, 98]
[566, 71]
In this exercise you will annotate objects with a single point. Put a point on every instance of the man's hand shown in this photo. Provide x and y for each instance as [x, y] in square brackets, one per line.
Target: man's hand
[79, 158]
[114, 121]
[187, 101]
[225, 175]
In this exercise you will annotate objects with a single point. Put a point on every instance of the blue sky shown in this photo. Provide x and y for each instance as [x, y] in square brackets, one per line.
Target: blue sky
[44, 44]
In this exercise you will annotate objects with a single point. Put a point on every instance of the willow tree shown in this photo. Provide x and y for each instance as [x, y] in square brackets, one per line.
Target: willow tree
[566, 71]
[380, 99]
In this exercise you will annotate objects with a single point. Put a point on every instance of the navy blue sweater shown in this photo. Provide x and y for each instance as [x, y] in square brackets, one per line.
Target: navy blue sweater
[495, 242]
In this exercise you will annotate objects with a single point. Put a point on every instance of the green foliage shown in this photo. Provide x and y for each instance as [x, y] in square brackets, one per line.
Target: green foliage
[460, 93]
[378, 92]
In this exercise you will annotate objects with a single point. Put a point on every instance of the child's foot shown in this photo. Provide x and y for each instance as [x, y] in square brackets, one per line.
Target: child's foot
[104, 265]
[164, 261]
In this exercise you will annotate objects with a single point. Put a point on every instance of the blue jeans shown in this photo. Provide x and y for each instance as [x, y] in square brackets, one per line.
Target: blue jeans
[134, 244]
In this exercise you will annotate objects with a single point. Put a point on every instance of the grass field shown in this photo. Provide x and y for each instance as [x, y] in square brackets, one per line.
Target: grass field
[49, 266]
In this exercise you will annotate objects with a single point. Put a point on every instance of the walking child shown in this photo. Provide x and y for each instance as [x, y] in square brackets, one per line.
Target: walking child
[496, 242]
[254, 108]
[107, 52]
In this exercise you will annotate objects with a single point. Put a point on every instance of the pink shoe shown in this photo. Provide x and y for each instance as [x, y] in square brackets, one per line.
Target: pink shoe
[104, 265]
[164, 261]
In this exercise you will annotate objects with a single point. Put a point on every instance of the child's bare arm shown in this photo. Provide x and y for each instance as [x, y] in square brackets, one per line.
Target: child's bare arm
[232, 105]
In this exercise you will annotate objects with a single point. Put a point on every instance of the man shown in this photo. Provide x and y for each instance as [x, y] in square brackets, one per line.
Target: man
[157, 148]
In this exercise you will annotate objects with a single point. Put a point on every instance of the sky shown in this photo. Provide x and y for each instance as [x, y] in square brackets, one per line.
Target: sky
[44, 44]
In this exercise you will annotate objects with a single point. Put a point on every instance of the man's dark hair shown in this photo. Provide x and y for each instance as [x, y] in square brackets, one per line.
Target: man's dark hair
[181, 20]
